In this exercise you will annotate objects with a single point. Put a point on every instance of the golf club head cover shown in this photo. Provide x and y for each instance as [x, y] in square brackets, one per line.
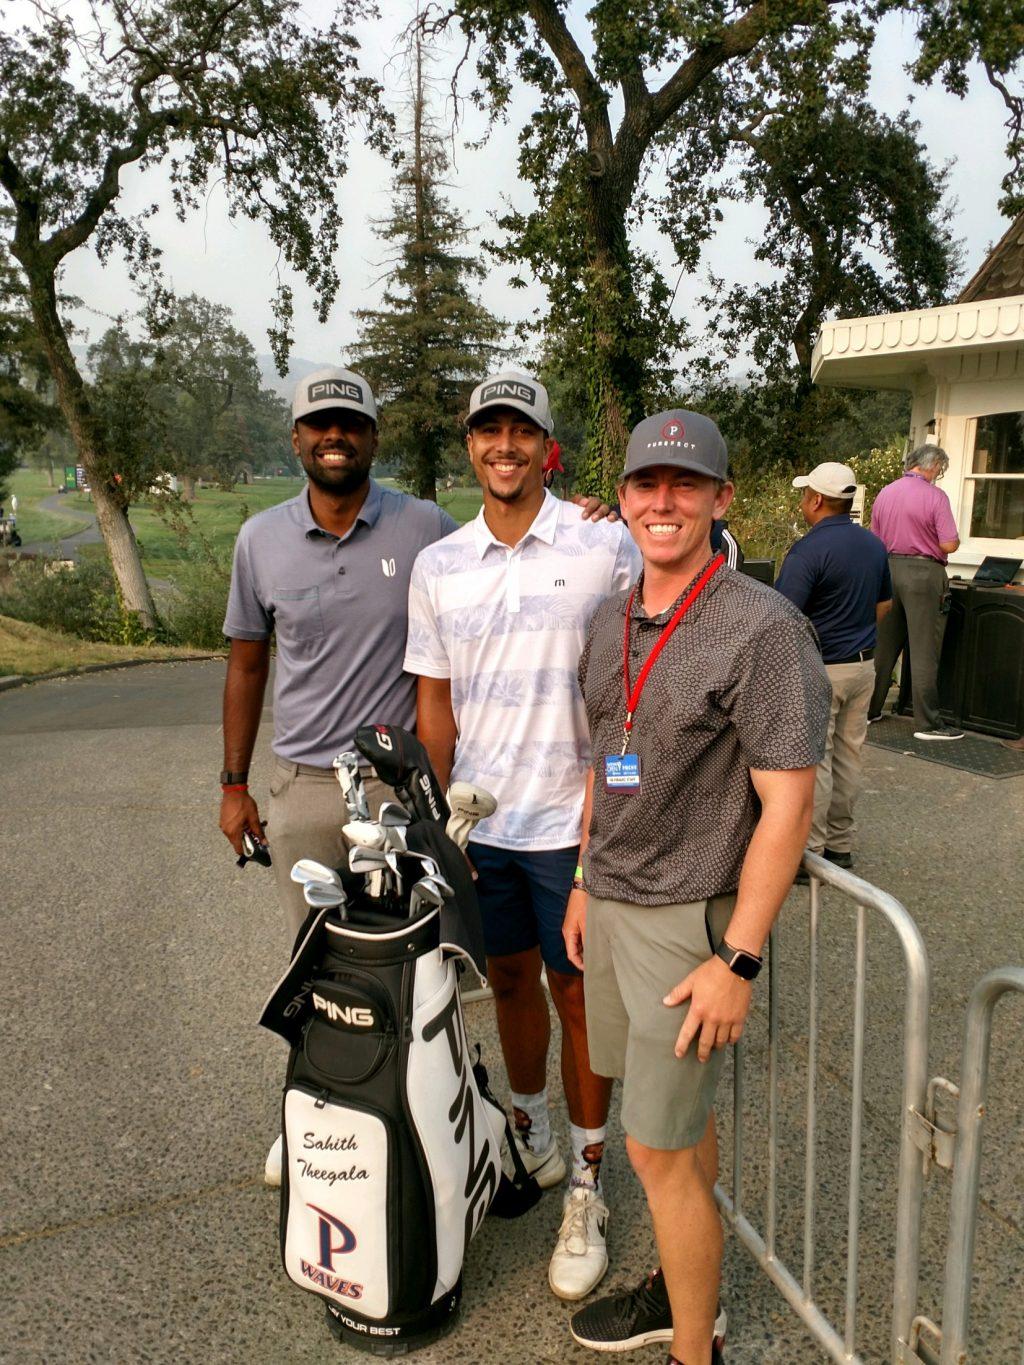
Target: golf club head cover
[402, 764]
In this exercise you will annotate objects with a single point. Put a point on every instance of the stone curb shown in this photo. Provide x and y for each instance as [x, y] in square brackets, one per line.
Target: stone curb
[23, 680]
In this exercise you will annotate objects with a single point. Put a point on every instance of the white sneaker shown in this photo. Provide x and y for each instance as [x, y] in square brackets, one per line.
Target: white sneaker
[272, 1170]
[547, 1167]
[580, 1259]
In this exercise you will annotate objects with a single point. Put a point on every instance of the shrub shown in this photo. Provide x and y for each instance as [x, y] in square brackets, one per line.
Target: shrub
[765, 514]
[82, 601]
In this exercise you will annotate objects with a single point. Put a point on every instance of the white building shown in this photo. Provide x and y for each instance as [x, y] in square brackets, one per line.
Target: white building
[963, 364]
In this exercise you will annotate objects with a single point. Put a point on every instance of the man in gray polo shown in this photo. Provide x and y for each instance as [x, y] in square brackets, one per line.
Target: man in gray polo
[327, 573]
[708, 704]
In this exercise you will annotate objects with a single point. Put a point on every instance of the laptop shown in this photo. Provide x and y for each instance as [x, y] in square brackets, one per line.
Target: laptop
[995, 571]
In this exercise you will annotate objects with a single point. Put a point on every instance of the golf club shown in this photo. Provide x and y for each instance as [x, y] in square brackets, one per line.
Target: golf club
[469, 805]
[425, 894]
[346, 769]
[308, 870]
[367, 833]
[320, 896]
[395, 820]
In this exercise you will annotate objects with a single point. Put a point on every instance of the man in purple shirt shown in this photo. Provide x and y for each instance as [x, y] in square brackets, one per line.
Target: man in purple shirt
[915, 522]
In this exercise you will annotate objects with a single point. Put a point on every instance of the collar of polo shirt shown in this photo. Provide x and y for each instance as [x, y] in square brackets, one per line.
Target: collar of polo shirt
[543, 527]
[368, 513]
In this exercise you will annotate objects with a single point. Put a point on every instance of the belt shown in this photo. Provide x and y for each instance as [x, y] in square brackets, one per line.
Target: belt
[930, 559]
[861, 658]
[310, 770]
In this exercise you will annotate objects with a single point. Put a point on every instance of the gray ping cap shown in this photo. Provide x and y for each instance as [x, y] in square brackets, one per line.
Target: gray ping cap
[513, 389]
[686, 440]
[332, 387]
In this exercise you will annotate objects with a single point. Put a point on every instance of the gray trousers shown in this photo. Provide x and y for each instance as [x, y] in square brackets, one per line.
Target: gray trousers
[917, 622]
[304, 820]
[837, 781]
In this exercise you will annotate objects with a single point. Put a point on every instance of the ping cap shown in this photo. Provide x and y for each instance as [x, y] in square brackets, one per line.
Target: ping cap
[513, 389]
[683, 439]
[332, 387]
[830, 479]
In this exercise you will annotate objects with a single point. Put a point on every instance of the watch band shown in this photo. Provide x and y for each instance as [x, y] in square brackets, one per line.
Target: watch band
[230, 779]
[739, 961]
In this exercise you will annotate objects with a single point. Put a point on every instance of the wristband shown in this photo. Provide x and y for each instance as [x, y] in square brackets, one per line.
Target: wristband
[230, 779]
[234, 786]
[577, 879]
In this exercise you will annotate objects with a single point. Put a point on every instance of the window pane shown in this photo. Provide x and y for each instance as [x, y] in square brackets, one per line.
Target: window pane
[999, 444]
[998, 509]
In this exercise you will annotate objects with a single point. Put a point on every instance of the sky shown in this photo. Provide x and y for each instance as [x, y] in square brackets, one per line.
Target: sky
[233, 262]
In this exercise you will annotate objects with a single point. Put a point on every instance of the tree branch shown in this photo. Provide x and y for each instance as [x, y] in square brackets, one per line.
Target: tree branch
[591, 95]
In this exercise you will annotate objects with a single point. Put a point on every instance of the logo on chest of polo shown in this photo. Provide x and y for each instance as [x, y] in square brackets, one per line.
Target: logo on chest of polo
[387, 568]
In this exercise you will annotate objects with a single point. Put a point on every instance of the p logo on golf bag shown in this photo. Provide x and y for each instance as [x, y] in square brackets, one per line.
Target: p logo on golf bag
[329, 1228]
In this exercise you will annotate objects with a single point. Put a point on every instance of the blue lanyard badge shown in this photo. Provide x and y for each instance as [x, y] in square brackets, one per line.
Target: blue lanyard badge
[622, 773]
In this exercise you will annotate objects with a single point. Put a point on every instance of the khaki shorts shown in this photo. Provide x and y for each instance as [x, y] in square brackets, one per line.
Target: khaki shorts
[633, 956]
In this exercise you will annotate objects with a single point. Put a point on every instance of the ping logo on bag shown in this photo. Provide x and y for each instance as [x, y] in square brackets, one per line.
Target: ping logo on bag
[342, 1007]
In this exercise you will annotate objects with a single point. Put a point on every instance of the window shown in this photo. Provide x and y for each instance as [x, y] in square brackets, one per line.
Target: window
[997, 477]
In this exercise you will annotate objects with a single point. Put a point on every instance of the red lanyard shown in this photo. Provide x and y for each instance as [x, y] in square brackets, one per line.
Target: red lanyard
[633, 695]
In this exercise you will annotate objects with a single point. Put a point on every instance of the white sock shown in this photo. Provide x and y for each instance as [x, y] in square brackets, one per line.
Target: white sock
[532, 1120]
[587, 1151]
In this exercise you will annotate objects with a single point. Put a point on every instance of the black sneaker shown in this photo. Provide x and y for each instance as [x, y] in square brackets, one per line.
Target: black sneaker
[632, 1318]
[940, 732]
[839, 859]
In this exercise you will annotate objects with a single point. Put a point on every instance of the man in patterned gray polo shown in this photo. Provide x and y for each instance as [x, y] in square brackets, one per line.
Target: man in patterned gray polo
[708, 705]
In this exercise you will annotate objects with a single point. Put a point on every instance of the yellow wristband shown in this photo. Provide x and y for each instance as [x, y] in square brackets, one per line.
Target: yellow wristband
[577, 876]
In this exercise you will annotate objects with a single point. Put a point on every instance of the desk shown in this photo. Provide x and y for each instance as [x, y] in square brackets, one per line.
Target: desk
[981, 672]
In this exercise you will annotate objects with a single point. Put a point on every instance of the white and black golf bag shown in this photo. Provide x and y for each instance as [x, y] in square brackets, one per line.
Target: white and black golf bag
[393, 1145]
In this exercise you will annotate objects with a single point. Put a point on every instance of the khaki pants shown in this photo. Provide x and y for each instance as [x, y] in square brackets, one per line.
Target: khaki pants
[838, 779]
[304, 820]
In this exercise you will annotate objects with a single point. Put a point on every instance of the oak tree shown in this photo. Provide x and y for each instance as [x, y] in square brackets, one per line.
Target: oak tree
[238, 91]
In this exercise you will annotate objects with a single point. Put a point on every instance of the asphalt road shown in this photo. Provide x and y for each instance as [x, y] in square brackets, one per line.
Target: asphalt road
[138, 1096]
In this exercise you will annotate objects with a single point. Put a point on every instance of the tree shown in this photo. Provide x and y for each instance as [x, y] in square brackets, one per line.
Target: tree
[682, 82]
[229, 88]
[26, 414]
[855, 226]
[430, 342]
[188, 403]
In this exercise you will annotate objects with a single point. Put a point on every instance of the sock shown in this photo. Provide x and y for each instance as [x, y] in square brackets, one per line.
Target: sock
[587, 1151]
[532, 1120]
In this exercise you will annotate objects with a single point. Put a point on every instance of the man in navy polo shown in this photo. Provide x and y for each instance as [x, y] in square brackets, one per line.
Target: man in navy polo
[838, 575]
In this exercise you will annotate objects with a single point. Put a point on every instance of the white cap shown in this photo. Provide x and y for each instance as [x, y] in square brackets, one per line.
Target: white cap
[332, 387]
[513, 389]
[830, 479]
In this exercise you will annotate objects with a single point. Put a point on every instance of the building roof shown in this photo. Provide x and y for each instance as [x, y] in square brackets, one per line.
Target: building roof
[1002, 274]
[887, 352]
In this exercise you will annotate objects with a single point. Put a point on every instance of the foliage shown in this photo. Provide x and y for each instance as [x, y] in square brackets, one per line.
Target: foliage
[82, 601]
[25, 412]
[430, 342]
[729, 102]
[765, 514]
[237, 92]
[187, 401]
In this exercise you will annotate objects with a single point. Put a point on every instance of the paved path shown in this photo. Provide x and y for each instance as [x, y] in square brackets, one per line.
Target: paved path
[88, 534]
[139, 1097]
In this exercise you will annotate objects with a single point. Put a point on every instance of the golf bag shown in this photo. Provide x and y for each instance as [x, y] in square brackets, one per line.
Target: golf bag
[394, 1148]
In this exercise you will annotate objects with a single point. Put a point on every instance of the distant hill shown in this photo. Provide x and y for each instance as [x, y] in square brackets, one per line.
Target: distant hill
[298, 367]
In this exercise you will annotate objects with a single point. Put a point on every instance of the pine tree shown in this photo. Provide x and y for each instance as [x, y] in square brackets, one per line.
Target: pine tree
[430, 342]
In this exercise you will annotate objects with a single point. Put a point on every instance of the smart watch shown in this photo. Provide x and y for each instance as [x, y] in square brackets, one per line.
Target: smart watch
[746, 965]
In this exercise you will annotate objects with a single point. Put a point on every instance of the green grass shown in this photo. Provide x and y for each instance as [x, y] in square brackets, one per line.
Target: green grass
[29, 650]
[218, 516]
[31, 486]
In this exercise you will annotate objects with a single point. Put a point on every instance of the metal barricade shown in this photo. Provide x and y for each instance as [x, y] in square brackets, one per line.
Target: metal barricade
[966, 1164]
[799, 1293]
